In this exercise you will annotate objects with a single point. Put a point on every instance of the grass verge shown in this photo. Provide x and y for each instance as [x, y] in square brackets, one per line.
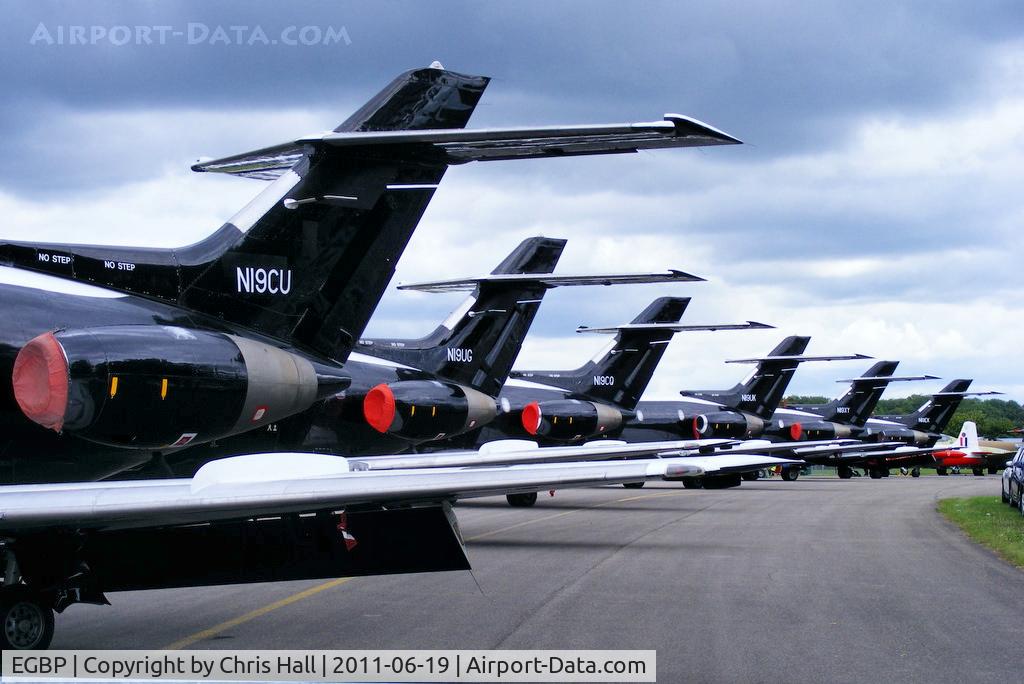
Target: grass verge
[990, 522]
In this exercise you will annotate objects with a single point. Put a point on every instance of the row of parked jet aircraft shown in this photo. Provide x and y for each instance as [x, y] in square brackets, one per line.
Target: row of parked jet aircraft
[212, 414]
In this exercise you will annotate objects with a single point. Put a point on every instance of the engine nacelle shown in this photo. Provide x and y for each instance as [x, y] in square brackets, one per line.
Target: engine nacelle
[569, 419]
[159, 387]
[813, 430]
[727, 425]
[426, 409]
[905, 435]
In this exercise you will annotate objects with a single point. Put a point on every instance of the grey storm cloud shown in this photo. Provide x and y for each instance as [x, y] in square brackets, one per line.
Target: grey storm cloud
[766, 221]
[780, 75]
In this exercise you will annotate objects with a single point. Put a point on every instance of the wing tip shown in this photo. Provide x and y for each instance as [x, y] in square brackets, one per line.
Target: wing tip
[690, 125]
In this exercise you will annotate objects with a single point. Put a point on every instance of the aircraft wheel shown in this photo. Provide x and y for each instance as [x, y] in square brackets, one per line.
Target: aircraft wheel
[693, 483]
[875, 473]
[941, 471]
[722, 481]
[885, 472]
[978, 472]
[915, 472]
[750, 477]
[844, 472]
[790, 474]
[633, 485]
[521, 500]
[26, 620]
[993, 471]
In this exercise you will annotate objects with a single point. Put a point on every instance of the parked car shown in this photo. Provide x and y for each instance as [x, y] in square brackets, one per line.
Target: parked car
[1013, 480]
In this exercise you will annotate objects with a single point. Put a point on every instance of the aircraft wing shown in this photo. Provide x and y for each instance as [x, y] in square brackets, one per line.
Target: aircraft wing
[514, 452]
[458, 146]
[274, 484]
[889, 454]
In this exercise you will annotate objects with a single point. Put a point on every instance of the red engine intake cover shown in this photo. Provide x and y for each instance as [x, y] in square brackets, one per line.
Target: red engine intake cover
[41, 381]
[530, 417]
[379, 408]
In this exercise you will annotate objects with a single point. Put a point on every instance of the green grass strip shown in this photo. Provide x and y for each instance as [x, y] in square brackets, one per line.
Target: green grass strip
[990, 522]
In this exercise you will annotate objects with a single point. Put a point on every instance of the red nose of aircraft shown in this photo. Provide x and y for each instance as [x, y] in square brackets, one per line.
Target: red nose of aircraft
[41, 381]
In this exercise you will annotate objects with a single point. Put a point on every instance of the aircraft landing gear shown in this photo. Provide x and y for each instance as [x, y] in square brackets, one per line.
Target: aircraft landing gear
[750, 477]
[26, 619]
[693, 483]
[915, 472]
[993, 471]
[878, 473]
[790, 473]
[633, 485]
[521, 500]
[941, 471]
[722, 481]
[978, 472]
[844, 472]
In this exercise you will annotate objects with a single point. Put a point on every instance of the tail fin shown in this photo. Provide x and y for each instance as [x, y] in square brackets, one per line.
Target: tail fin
[479, 342]
[935, 414]
[343, 225]
[762, 391]
[969, 436]
[309, 258]
[857, 405]
[621, 373]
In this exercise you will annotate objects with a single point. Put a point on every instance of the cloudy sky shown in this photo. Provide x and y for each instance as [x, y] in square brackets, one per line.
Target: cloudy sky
[875, 206]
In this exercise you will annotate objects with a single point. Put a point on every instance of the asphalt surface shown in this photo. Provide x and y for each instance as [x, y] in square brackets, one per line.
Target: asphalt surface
[815, 580]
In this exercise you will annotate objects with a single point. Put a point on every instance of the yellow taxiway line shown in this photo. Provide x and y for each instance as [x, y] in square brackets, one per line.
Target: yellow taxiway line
[312, 591]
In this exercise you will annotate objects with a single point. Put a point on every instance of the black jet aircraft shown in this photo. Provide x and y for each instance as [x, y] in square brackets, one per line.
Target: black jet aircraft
[916, 432]
[922, 428]
[840, 418]
[256, 319]
[407, 392]
[601, 400]
[118, 353]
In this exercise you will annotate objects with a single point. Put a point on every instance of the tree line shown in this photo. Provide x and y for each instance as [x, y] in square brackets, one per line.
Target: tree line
[994, 417]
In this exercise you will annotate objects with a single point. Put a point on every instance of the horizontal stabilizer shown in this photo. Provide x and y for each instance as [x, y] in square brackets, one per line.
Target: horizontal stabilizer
[549, 280]
[802, 359]
[673, 327]
[890, 378]
[458, 146]
[965, 394]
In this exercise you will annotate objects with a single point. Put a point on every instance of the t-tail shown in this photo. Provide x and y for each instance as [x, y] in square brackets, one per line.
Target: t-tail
[764, 388]
[480, 341]
[620, 374]
[859, 402]
[477, 345]
[935, 414]
[307, 261]
[762, 392]
[309, 258]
